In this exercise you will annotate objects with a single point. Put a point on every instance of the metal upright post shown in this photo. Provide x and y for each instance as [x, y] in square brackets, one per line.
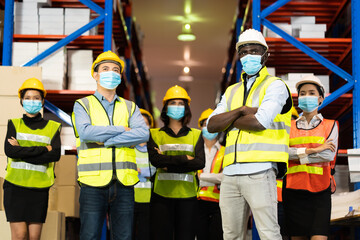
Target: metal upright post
[128, 22]
[256, 20]
[355, 28]
[8, 33]
[108, 25]
[239, 22]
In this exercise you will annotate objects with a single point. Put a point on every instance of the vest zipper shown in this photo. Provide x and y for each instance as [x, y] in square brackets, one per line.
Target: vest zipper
[113, 163]
[236, 145]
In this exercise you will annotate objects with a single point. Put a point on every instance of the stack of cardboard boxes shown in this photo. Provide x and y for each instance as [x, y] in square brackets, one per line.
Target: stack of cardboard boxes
[51, 21]
[79, 70]
[53, 67]
[64, 194]
[300, 27]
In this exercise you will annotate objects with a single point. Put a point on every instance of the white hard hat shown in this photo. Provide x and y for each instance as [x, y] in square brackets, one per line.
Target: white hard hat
[251, 36]
[311, 78]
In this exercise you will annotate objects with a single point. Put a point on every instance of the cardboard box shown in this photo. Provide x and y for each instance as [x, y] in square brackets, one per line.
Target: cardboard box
[25, 8]
[340, 203]
[3, 164]
[53, 228]
[304, 34]
[313, 27]
[66, 171]
[51, 11]
[68, 200]
[1, 193]
[11, 108]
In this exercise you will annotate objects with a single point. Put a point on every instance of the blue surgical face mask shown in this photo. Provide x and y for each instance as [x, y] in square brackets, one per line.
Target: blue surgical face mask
[175, 112]
[207, 135]
[308, 103]
[251, 64]
[109, 79]
[32, 106]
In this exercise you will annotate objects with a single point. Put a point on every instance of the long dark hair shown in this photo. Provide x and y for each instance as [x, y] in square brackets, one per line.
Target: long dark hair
[185, 120]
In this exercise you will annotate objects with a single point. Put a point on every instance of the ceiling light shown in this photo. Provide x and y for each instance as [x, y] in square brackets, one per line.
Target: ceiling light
[186, 33]
[186, 78]
[186, 69]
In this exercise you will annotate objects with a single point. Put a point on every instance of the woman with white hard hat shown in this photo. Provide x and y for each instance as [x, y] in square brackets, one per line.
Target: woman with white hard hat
[32, 147]
[177, 152]
[309, 181]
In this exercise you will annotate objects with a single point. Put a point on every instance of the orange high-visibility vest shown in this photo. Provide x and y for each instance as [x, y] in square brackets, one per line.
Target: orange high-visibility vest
[212, 193]
[313, 177]
[279, 185]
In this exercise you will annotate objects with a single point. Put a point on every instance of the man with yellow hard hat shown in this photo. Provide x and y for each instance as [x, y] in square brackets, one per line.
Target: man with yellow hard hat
[256, 112]
[107, 127]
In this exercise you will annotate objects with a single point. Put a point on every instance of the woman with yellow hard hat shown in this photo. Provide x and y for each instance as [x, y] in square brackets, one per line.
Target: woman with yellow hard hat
[32, 146]
[312, 153]
[177, 152]
[209, 226]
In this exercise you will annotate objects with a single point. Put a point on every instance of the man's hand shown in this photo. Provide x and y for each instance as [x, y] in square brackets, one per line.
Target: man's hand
[245, 110]
[189, 157]
[49, 148]
[127, 129]
[13, 141]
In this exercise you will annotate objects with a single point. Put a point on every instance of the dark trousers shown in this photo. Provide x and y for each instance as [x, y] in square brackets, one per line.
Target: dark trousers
[209, 221]
[172, 218]
[141, 221]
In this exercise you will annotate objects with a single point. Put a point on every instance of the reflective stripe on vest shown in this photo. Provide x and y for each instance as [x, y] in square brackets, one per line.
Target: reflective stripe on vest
[28, 166]
[26, 174]
[33, 137]
[143, 185]
[269, 145]
[176, 177]
[96, 163]
[212, 193]
[176, 147]
[313, 177]
[175, 185]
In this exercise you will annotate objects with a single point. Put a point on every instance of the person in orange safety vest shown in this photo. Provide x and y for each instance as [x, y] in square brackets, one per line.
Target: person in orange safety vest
[209, 215]
[309, 181]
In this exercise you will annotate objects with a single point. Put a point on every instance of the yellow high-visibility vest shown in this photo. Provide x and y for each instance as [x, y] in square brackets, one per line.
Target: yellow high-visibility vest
[96, 162]
[142, 190]
[269, 145]
[175, 185]
[26, 174]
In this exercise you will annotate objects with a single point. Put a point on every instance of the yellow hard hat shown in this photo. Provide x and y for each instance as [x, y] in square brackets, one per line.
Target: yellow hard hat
[107, 56]
[294, 112]
[204, 115]
[176, 92]
[32, 83]
[144, 112]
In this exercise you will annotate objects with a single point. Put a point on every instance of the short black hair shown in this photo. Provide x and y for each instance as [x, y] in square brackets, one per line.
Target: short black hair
[321, 93]
[148, 118]
[22, 93]
[96, 68]
[185, 120]
[247, 44]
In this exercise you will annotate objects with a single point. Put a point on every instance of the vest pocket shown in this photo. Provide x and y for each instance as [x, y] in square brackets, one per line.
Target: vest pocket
[89, 162]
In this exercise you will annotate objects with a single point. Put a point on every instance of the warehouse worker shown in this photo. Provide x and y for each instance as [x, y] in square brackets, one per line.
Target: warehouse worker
[32, 146]
[106, 127]
[312, 153]
[256, 112]
[209, 216]
[143, 188]
[177, 152]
